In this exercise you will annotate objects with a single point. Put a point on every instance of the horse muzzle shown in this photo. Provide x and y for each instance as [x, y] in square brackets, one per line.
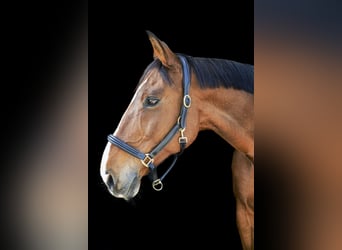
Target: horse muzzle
[126, 187]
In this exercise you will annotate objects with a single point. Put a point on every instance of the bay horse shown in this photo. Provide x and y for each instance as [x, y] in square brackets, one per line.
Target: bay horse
[177, 97]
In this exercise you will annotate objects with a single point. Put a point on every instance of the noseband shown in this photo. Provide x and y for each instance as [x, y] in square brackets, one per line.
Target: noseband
[147, 159]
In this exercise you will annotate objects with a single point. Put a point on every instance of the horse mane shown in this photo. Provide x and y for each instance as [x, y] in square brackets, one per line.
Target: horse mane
[213, 73]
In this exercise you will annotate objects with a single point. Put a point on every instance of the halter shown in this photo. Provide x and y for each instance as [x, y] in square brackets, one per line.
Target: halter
[147, 159]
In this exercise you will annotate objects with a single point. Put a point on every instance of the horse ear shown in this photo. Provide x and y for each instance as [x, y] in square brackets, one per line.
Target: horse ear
[162, 52]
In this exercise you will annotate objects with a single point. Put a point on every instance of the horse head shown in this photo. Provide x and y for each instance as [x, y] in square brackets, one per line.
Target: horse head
[153, 126]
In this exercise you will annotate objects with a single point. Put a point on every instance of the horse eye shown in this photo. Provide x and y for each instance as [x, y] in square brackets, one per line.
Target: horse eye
[151, 101]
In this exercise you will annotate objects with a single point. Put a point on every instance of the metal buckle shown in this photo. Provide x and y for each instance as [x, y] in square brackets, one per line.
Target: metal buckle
[182, 139]
[187, 101]
[157, 185]
[147, 160]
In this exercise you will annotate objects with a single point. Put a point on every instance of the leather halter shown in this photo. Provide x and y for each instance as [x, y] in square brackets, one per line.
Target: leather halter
[147, 159]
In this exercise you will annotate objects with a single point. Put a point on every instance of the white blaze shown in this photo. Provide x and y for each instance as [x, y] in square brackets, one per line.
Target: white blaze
[134, 97]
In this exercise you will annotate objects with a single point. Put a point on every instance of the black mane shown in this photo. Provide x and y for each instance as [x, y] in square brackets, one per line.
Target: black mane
[214, 73]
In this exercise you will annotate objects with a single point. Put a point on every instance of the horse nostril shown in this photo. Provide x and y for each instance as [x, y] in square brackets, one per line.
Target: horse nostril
[110, 182]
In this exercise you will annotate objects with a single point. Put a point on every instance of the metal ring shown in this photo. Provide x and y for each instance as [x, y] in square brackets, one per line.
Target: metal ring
[157, 185]
[185, 99]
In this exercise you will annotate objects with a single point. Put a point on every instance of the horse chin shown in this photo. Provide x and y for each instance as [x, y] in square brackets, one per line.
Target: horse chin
[126, 196]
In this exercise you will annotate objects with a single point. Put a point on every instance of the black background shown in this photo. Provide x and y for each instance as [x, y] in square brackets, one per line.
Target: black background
[196, 208]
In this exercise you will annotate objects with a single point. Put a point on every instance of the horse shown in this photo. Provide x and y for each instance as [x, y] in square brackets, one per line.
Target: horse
[178, 96]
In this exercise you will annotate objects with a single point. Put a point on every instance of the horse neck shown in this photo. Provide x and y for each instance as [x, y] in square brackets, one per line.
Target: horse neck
[230, 114]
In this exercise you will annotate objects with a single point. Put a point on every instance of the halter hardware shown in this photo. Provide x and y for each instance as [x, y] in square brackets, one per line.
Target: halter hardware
[182, 139]
[157, 185]
[187, 101]
[148, 158]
